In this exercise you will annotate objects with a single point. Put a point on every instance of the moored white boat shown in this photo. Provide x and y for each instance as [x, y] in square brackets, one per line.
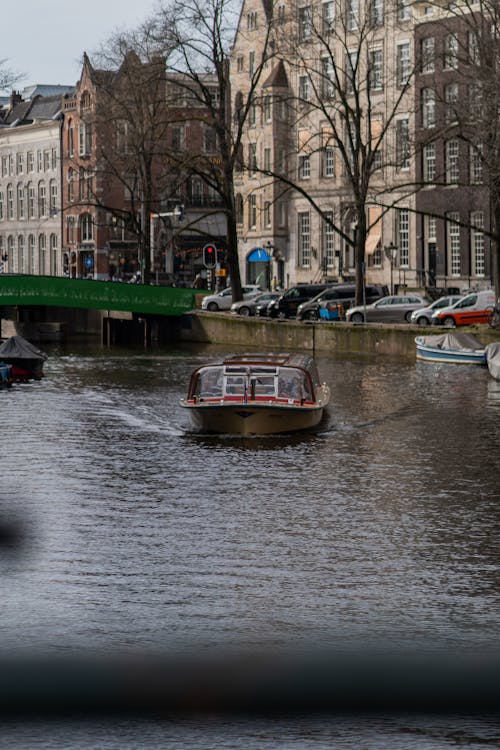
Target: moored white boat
[257, 394]
[456, 348]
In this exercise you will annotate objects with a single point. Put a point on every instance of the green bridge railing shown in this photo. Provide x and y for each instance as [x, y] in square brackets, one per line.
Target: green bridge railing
[98, 295]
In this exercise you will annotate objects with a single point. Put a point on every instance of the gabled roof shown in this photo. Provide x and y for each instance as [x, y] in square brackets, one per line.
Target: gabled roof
[278, 77]
[43, 89]
[39, 108]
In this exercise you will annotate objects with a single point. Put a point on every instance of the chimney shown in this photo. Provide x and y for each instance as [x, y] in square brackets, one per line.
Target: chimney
[15, 98]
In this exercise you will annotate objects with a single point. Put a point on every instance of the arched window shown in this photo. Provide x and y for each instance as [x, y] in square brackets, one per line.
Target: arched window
[31, 254]
[71, 139]
[10, 253]
[53, 198]
[71, 185]
[20, 201]
[85, 102]
[53, 254]
[31, 201]
[20, 254]
[10, 202]
[42, 255]
[42, 199]
[86, 228]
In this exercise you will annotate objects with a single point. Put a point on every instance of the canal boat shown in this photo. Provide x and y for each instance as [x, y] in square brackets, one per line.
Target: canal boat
[257, 394]
[457, 348]
[493, 359]
[25, 358]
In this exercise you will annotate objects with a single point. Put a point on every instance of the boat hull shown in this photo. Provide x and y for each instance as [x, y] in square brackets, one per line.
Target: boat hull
[253, 419]
[465, 356]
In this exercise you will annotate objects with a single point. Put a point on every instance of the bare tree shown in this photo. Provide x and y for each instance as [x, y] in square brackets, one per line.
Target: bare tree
[351, 103]
[8, 77]
[195, 37]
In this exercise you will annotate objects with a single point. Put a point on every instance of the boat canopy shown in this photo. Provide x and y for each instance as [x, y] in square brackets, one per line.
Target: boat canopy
[452, 340]
[18, 348]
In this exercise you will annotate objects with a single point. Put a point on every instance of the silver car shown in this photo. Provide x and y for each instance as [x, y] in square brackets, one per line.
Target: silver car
[247, 307]
[393, 309]
[223, 300]
[423, 317]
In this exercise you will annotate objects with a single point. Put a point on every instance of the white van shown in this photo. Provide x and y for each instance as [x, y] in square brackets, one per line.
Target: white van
[474, 308]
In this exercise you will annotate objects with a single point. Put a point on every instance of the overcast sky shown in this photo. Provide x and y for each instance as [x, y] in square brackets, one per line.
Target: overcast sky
[45, 39]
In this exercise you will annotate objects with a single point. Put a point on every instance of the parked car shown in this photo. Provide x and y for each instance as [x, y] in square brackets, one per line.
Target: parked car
[473, 308]
[391, 309]
[223, 300]
[287, 304]
[423, 317]
[342, 294]
[247, 306]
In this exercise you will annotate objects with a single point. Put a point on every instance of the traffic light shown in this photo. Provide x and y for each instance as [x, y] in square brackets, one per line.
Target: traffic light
[209, 256]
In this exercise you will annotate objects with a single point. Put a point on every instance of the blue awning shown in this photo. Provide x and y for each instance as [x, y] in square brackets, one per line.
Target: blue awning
[259, 255]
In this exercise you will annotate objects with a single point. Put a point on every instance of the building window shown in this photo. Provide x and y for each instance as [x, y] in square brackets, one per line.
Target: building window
[327, 78]
[70, 229]
[251, 63]
[31, 201]
[20, 254]
[46, 160]
[327, 17]
[10, 202]
[328, 239]
[453, 243]
[352, 15]
[304, 239]
[209, 140]
[53, 198]
[267, 214]
[376, 13]
[177, 138]
[1, 205]
[305, 23]
[403, 143]
[376, 69]
[304, 88]
[451, 100]
[71, 139]
[10, 253]
[267, 159]
[252, 115]
[86, 228]
[42, 255]
[427, 55]
[404, 10]
[42, 199]
[451, 162]
[429, 162]
[450, 52]
[252, 211]
[329, 161]
[252, 158]
[53, 159]
[473, 48]
[351, 71]
[403, 63]
[428, 108]
[20, 201]
[240, 63]
[19, 163]
[476, 164]
[304, 167]
[477, 242]
[404, 237]
[31, 254]
[30, 162]
[268, 109]
[71, 185]
[53, 255]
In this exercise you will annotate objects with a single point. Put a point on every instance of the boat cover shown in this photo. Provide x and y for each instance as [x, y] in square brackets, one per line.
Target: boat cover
[493, 359]
[452, 341]
[18, 348]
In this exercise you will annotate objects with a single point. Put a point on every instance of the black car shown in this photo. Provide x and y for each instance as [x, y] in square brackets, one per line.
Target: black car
[342, 294]
[287, 304]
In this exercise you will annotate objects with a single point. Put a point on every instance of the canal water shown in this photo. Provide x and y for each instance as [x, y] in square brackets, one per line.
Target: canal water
[137, 534]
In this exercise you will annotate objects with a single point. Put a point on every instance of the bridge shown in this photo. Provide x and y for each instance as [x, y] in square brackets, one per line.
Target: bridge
[52, 291]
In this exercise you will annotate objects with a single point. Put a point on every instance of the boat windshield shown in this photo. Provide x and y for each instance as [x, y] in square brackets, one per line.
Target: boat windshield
[292, 384]
[209, 383]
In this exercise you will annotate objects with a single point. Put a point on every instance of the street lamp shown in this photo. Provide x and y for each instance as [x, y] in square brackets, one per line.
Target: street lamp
[391, 252]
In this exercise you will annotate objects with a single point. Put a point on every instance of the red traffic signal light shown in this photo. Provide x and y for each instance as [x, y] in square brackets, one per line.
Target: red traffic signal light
[209, 256]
